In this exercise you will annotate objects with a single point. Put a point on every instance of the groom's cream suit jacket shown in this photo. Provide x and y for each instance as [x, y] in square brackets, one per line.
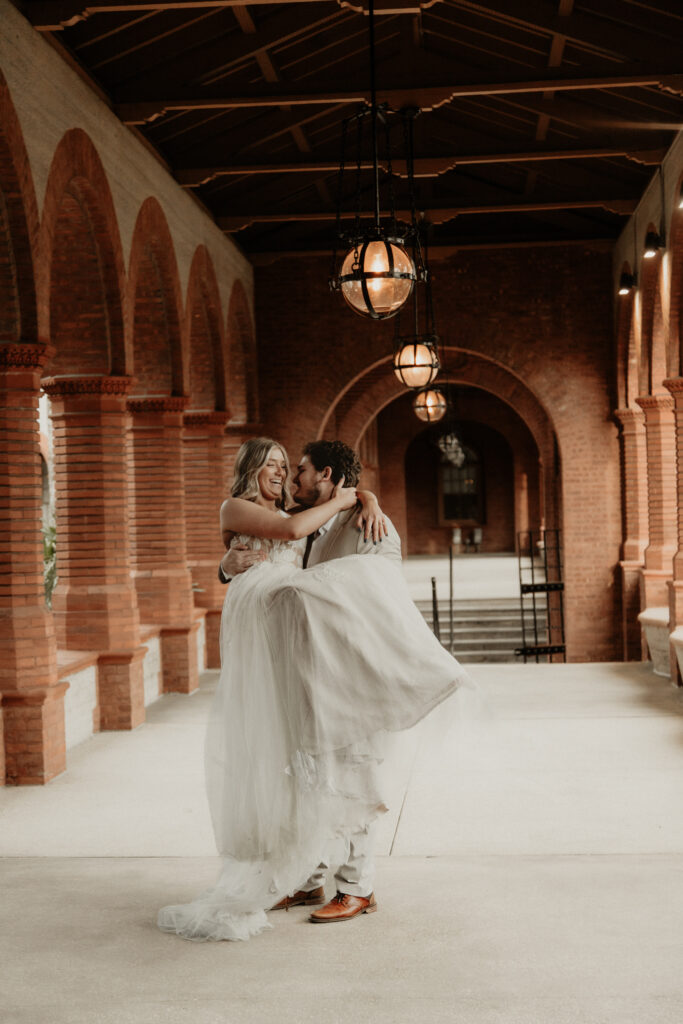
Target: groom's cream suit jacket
[340, 537]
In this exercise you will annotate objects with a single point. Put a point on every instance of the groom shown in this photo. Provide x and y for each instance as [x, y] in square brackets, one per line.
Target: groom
[321, 466]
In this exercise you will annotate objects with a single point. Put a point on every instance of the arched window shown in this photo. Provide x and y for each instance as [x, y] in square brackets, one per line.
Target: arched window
[461, 492]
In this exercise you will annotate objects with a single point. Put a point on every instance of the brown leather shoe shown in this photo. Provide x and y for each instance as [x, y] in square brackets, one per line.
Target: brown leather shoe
[343, 907]
[314, 898]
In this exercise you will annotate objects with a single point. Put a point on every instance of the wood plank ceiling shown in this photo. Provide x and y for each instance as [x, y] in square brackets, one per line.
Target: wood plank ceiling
[543, 120]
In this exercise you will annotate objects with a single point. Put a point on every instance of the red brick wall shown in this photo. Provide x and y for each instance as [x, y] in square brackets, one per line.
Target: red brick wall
[151, 344]
[79, 327]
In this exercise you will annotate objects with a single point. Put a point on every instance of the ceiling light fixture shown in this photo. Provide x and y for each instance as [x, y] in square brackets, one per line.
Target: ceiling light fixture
[377, 274]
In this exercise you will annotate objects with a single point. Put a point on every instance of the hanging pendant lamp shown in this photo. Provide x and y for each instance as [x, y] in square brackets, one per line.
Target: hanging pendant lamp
[430, 404]
[377, 273]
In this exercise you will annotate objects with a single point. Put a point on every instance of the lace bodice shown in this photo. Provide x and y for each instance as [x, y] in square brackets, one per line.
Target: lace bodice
[281, 552]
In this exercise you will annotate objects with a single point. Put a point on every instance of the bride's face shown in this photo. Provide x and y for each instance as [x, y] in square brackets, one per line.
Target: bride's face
[272, 477]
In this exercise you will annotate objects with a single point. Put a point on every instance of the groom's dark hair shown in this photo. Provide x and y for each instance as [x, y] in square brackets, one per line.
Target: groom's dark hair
[341, 459]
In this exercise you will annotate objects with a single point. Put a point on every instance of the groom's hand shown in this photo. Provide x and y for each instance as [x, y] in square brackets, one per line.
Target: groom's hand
[240, 558]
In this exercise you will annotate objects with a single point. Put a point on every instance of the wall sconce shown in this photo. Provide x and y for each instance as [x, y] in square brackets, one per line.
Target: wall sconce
[626, 282]
[653, 243]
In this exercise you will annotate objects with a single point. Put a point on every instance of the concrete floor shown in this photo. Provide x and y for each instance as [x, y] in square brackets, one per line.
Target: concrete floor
[532, 876]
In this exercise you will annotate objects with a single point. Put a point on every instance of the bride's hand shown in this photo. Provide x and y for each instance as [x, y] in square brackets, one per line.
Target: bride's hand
[370, 520]
[345, 496]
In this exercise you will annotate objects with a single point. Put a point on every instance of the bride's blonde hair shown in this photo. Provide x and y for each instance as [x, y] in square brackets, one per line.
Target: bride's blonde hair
[251, 458]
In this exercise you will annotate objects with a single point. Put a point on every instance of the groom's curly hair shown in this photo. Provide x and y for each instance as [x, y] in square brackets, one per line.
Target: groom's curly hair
[341, 459]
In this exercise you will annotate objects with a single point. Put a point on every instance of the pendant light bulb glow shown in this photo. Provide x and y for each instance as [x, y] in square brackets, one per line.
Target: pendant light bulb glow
[430, 405]
[377, 278]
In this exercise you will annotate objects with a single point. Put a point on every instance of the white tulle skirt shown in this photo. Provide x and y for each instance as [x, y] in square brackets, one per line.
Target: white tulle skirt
[318, 665]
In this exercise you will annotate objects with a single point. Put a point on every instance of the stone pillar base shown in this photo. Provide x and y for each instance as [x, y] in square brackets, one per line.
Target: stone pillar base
[655, 622]
[213, 637]
[121, 689]
[179, 659]
[35, 747]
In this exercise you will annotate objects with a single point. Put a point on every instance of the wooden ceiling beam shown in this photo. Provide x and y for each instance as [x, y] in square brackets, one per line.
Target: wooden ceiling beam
[56, 15]
[427, 97]
[425, 167]
[581, 28]
[435, 215]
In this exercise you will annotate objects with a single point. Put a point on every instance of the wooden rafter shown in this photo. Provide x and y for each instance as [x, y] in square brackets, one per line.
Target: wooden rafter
[427, 97]
[425, 167]
[55, 15]
[435, 215]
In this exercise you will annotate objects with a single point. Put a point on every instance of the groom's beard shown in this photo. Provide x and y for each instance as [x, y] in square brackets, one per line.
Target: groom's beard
[308, 500]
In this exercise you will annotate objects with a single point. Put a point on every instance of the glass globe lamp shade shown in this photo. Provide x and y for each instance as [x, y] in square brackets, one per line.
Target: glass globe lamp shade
[416, 363]
[376, 278]
[430, 405]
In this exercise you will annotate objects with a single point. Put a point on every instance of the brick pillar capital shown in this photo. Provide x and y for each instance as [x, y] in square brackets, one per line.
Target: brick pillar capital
[158, 404]
[22, 362]
[655, 403]
[24, 355]
[675, 386]
[82, 385]
[629, 419]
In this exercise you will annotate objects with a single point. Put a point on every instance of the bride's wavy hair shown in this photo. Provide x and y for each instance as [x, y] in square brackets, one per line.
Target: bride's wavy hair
[251, 458]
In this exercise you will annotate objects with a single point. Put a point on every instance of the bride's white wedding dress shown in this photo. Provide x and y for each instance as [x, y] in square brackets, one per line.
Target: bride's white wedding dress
[317, 665]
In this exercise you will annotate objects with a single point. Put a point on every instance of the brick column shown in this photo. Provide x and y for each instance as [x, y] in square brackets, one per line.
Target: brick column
[159, 552]
[675, 386]
[204, 495]
[634, 496]
[32, 698]
[94, 601]
[661, 498]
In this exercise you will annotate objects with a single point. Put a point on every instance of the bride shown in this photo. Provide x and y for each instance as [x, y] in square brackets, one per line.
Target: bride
[317, 666]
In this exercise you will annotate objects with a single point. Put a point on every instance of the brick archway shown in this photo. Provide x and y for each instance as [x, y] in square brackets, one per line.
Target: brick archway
[18, 230]
[241, 359]
[154, 306]
[203, 328]
[81, 267]
[356, 406]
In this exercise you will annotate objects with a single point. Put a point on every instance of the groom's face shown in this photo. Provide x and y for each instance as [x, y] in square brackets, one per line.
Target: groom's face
[310, 485]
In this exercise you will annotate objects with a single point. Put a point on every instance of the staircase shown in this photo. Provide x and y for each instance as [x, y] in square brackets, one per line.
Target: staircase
[484, 630]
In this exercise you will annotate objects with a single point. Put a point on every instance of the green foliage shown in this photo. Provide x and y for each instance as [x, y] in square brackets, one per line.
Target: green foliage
[49, 562]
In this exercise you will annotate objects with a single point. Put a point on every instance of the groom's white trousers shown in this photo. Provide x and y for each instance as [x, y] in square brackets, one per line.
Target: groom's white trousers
[356, 876]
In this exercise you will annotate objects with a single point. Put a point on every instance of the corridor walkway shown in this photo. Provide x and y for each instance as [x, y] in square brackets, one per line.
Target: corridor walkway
[535, 876]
